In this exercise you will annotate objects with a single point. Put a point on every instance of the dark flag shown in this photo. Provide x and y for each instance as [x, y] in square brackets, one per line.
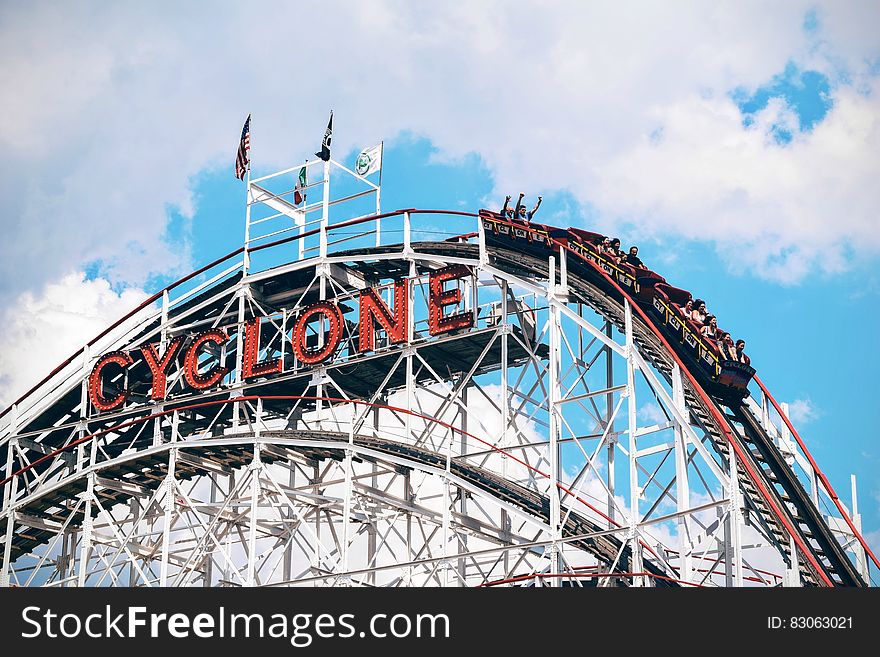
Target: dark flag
[324, 153]
[242, 159]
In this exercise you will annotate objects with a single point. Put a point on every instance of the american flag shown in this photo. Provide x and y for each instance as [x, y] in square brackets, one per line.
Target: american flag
[244, 147]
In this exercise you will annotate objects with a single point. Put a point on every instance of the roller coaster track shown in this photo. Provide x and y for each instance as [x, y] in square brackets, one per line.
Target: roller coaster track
[776, 501]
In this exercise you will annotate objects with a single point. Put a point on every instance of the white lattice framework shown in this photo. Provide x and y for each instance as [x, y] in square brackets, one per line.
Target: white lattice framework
[551, 444]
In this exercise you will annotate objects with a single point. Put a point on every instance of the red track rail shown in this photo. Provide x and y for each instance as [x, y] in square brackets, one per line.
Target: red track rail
[524, 578]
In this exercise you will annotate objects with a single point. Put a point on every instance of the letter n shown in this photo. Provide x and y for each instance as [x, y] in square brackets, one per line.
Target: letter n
[374, 311]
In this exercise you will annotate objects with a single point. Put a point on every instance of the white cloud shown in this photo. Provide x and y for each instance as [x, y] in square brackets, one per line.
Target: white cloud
[41, 330]
[801, 411]
[652, 413]
[111, 110]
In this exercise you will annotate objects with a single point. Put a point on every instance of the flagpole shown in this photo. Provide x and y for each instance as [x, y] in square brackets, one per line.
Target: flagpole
[379, 193]
[302, 226]
[325, 210]
[246, 260]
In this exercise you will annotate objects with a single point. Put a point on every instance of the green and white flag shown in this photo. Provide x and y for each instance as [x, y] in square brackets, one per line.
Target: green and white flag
[369, 161]
[299, 190]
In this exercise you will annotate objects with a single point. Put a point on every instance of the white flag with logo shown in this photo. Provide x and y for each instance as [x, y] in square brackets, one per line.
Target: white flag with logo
[369, 161]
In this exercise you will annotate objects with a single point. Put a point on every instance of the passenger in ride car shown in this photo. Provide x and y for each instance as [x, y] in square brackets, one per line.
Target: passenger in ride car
[532, 212]
[698, 314]
[605, 245]
[518, 205]
[725, 343]
[740, 352]
[505, 210]
[614, 250]
[525, 216]
[632, 258]
[687, 308]
[710, 328]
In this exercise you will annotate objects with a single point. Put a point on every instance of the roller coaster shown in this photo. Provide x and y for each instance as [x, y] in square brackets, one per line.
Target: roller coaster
[413, 398]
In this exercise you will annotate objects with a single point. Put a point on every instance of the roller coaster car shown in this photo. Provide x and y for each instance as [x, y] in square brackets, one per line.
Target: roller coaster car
[528, 236]
[722, 378]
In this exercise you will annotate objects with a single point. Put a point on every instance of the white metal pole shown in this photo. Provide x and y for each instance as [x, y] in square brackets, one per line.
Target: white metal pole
[255, 468]
[9, 512]
[682, 485]
[379, 193]
[612, 439]
[325, 210]
[86, 539]
[246, 259]
[858, 549]
[302, 226]
[636, 561]
[167, 512]
[346, 503]
[553, 401]
[735, 524]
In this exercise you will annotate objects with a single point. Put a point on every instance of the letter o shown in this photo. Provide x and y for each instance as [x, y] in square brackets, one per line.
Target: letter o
[331, 339]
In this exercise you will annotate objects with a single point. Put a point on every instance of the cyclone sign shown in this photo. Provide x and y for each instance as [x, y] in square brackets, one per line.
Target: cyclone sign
[202, 355]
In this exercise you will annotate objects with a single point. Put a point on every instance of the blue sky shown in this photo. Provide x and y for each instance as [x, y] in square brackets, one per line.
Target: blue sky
[738, 148]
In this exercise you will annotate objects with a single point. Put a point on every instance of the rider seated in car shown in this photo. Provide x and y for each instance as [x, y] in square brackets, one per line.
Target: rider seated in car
[687, 308]
[698, 314]
[710, 328]
[531, 213]
[740, 353]
[614, 252]
[506, 212]
[725, 343]
[632, 258]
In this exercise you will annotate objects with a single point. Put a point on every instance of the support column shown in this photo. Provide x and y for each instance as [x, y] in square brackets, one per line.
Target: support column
[735, 519]
[86, 540]
[682, 485]
[554, 394]
[255, 468]
[462, 493]
[505, 393]
[239, 355]
[325, 211]
[634, 492]
[861, 556]
[168, 515]
[9, 493]
[612, 439]
[346, 503]
[792, 572]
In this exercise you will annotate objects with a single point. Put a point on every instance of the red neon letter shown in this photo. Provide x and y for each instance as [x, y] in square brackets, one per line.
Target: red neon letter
[191, 361]
[250, 367]
[331, 337]
[159, 367]
[96, 384]
[440, 298]
[372, 307]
